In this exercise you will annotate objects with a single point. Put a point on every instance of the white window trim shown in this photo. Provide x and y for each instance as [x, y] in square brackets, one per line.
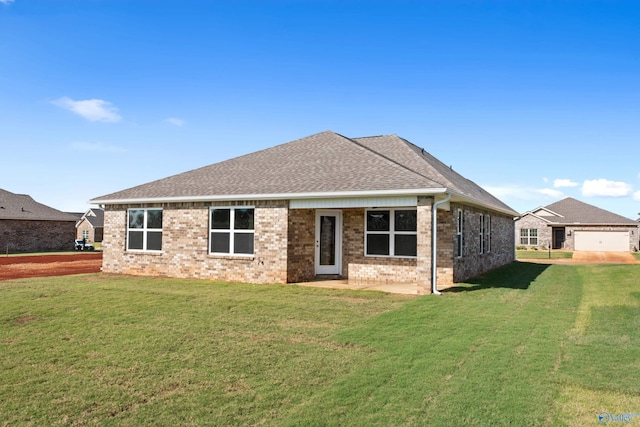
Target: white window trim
[391, 233]
[488, 229]
[528, 237]
[232, 231]
[482, 231]
[144, 230]
[459, 233]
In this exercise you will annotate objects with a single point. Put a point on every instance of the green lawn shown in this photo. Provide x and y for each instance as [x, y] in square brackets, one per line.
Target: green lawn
[543, 254]
[528, 344]
[636, 255]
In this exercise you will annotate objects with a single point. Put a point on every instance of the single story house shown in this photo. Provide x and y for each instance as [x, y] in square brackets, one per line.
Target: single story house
[91, 225]
[366, 209]
[576, 226]
[29, 226]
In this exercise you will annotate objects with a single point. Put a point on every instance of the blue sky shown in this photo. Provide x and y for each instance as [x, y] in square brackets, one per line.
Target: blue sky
[533, 100]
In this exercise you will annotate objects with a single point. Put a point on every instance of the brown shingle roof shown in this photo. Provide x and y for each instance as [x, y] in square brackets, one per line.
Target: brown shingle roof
[322, 163]
[417, 159]
[574, 211]
[23, 207]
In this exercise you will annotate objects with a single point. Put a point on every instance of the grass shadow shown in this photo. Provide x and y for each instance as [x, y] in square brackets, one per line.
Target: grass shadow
[517, 275]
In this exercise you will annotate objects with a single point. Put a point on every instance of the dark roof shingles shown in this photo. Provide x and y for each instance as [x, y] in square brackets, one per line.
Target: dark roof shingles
[575, 211]
[322, 163]
[23, 207]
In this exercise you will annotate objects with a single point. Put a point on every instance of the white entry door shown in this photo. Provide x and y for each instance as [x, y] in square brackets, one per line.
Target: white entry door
[328, 242]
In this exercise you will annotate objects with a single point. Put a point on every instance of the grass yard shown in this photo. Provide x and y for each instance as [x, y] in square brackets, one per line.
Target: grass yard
[530, 254]
[528, 344]
[636, 255]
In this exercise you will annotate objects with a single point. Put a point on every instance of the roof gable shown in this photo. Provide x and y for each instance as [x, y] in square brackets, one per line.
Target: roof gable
[23, 207]
[324, 163]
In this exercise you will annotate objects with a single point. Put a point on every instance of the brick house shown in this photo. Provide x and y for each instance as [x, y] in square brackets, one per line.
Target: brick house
[576, 226]
[29, 226]
[91, 225]
[322, 206]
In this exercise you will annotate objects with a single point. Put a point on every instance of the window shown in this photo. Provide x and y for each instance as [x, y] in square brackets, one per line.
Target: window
[85, 234]
[481, 233]
[529, 236]
[391, 232]
[459, 227]
[232, 231]
[144, 230]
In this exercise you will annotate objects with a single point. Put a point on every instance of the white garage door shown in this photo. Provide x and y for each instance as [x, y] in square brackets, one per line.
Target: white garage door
[602, 241]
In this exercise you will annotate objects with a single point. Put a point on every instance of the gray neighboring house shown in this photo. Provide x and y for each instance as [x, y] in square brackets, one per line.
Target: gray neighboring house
[91, 225]
[576, 226]
[366, 209]
[29, 226]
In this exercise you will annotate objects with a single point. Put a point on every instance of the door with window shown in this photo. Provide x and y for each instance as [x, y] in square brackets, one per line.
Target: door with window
[328, 242]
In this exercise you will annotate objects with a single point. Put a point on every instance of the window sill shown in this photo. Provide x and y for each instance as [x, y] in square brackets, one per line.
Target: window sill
[390, 256]
[141, 252]
[232, 256]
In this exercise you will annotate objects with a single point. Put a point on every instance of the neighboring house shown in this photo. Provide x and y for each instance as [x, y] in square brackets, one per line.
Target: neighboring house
[29, 226]
[91, 225]
[321, 206]
[576, 226]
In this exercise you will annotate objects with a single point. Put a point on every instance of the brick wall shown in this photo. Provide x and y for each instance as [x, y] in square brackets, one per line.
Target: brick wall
[545, 232]
[531, 222]
[358, 267]
[36, 236]
[285, 246]
[473, 263]
[301, 245]
[95, 234]
[185, 245]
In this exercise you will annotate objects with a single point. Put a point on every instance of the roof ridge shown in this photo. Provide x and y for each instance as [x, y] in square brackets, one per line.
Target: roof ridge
[390, 159]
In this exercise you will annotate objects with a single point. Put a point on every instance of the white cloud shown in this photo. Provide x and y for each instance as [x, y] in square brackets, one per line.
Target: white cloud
[175, 121]
[522, 193]
[636, 196]
[558, 183]
[97, 146]
[556, 194]
[545, 179]
[94, 110]
[605, 188]
[6, 1]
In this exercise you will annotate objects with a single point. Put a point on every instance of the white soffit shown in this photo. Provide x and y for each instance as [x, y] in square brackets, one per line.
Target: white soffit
[357, 202]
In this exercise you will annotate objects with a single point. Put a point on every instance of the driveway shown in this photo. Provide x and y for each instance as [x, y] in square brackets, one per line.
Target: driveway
[604, 258]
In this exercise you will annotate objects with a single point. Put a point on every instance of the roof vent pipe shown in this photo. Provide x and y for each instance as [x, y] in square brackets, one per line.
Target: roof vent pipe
[434, 243]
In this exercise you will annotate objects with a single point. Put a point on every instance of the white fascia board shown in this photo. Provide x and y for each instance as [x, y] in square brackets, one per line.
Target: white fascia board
[457, 197]
[278, 196]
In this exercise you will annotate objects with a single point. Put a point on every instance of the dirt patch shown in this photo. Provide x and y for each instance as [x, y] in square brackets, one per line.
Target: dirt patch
[19, 267]
[25, 319]
[583, 257]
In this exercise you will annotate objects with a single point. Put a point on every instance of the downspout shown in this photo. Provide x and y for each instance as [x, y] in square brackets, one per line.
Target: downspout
[434, 243]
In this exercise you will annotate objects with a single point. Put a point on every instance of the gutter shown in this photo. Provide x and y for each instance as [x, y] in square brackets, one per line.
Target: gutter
[105, 200]
[434, 243]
